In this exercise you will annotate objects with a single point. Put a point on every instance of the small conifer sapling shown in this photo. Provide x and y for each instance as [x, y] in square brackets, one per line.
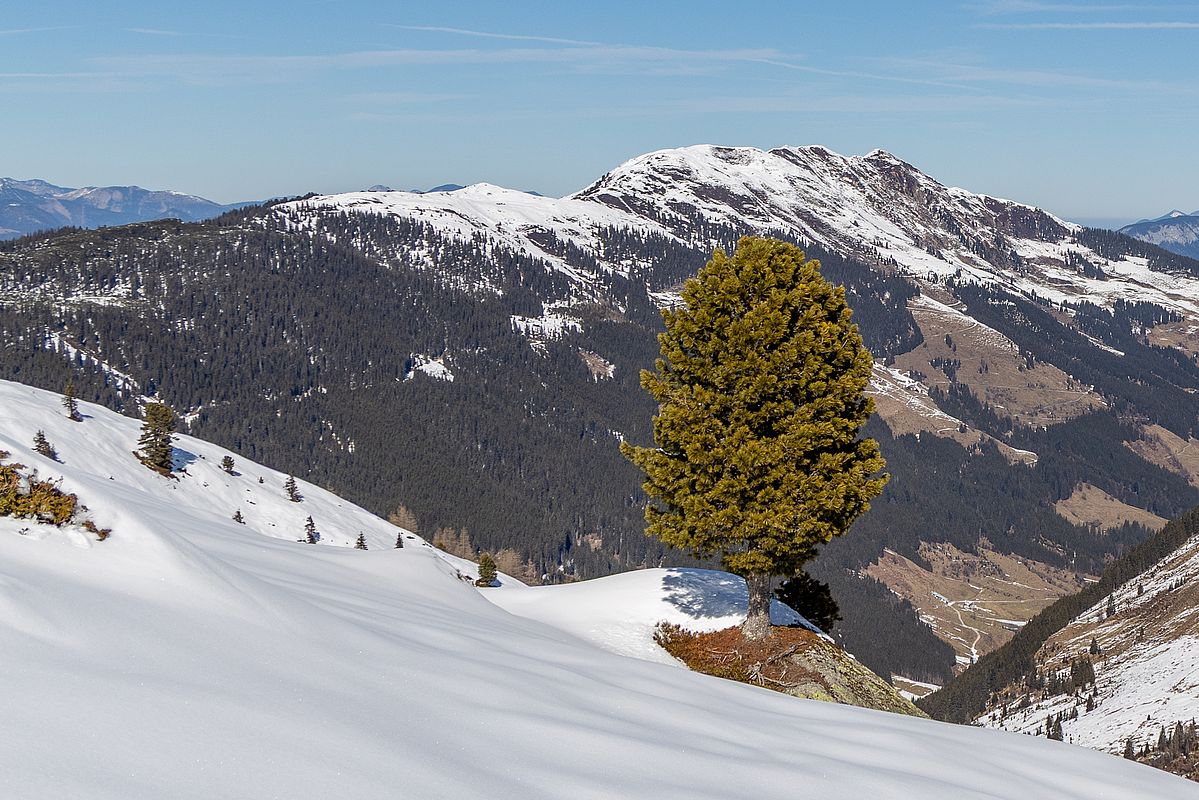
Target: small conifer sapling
[310, 534]
[237, 517]
[487, 571]
[41, 445]
[399, 540]
[361, 543]
[227, 464]
[811, 599]
[293, 491]
[69, 403]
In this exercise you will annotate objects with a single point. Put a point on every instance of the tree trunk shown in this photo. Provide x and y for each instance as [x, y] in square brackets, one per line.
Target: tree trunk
[757, 618]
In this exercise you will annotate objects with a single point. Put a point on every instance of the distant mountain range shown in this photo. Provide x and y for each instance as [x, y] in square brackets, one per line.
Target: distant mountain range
[35, 205]
[1177, 232]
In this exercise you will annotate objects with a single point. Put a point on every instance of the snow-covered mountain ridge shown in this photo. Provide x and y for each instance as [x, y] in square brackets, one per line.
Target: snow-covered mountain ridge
[874, 208]
[190, 656]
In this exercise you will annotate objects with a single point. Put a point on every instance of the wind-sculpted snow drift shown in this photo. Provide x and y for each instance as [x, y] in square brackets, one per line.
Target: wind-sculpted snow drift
[189, 656]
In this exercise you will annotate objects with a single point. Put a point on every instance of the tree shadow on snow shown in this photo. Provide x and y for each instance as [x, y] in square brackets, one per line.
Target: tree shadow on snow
[181, 459]
[706, 593]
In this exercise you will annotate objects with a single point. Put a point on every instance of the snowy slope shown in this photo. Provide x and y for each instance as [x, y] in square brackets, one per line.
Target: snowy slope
[191, 657]
[1147, 675]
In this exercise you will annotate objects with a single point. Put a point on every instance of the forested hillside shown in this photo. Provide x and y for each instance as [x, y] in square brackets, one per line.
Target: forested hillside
[481, 376]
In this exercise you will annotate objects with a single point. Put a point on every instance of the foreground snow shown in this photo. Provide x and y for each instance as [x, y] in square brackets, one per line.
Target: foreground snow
[192, 657]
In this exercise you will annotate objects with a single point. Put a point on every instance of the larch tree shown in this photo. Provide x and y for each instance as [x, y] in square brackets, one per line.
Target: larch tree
[760, 389]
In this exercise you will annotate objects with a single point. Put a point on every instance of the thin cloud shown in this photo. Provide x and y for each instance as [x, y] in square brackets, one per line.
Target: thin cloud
[863, 75]
[856, 104]
[204, 69]
[1030, 7]
[17, 31]
[1092, 26]
[489, 35]
[41, 82]
[965, 73]
[405, 98]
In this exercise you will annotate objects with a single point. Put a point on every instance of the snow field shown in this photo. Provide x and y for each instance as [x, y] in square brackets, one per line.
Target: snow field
[191, 657]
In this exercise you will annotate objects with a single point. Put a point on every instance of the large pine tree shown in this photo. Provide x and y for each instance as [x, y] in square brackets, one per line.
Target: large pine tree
[760, 392]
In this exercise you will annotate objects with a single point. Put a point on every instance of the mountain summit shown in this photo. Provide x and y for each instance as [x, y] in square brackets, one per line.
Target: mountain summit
[1177, 232]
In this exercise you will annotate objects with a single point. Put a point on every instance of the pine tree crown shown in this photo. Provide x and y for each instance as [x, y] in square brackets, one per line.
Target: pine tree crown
[760, 389]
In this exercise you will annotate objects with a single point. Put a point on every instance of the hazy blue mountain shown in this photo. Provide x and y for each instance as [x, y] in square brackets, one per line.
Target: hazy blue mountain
[1177, 232]
[35, 205]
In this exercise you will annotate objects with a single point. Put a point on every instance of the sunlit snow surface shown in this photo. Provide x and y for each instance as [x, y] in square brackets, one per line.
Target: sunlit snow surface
[192, 657]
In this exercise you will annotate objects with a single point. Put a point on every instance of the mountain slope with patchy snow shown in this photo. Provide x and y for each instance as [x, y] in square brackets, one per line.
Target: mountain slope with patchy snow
[192, 657]
[1146, 634]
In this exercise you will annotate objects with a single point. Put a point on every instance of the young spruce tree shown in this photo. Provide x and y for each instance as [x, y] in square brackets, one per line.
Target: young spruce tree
[69, 403]
[760, 392]
[293, 491]
[155, 442]
[361, 543]
[42, 445]
[310, 534]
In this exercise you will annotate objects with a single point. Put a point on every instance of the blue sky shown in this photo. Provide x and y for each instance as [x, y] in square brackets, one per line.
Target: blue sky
[1089, 110]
